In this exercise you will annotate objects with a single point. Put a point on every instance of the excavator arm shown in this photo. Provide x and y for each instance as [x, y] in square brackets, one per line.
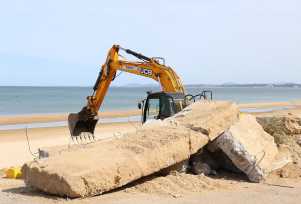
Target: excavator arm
[86, 120]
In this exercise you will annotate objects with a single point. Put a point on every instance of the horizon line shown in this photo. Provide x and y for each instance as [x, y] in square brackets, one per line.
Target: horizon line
[149, 85]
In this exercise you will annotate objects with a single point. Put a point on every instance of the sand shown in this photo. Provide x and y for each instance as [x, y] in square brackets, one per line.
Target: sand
[171, 189]
[176, 185]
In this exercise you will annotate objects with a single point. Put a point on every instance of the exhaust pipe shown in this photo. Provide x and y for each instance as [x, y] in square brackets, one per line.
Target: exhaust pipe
[82, 122]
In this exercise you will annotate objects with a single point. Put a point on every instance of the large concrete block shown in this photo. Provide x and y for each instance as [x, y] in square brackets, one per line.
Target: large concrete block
[249, 147]
[103, 166]
[106, 165]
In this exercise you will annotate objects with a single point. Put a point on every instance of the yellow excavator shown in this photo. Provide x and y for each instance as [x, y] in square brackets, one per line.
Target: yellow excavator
[158, 105]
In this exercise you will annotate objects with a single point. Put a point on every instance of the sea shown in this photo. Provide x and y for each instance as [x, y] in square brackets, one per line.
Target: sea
[48, 100]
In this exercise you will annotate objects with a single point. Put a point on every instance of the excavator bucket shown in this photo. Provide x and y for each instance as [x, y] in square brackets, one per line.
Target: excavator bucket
[81, 125]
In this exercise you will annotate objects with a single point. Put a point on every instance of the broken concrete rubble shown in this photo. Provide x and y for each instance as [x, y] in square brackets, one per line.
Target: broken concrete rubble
[289, 125]
[249, 147]
[286, 131]
[106, 165]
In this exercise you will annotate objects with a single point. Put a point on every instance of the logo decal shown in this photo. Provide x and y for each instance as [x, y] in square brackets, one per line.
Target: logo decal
[143, 71]
[147, 72]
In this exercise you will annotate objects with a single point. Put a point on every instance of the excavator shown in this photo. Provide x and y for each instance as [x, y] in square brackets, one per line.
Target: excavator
[157, 105]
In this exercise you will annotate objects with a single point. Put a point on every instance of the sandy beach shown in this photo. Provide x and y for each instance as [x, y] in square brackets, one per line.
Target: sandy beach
[14, 144]
[14, 149]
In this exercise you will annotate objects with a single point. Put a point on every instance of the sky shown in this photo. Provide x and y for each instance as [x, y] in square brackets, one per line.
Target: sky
[64, 42]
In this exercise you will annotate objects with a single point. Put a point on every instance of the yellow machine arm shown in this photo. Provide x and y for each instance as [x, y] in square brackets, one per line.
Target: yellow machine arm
[86, 119]
[149, 67]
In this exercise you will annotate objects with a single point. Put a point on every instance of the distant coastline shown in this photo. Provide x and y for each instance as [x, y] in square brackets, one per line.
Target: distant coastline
[238, 85]
[269, 85]
[233, 85]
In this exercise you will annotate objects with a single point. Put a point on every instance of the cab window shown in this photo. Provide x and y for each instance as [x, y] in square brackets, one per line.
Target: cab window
[153, 109]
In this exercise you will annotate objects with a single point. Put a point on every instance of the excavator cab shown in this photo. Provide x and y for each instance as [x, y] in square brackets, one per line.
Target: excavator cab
[161, 105]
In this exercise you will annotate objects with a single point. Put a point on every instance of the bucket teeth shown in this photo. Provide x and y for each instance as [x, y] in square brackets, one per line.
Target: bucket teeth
[83, 137]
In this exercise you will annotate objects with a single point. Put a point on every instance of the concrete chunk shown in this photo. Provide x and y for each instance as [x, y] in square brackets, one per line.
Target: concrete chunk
[250, 148]
[106, 165]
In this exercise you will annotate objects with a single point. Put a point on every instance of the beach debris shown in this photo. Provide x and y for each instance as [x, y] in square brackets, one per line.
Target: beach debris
[249, 147]
[285, 125]
[13, 172]
[106, 165]
[286, 131]
[45, 152]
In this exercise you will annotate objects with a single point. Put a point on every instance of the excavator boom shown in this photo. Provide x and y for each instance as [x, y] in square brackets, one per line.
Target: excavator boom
[86, 120]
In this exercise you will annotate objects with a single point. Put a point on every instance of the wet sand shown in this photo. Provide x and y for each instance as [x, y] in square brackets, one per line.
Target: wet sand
[280, 108]
[39, 118]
